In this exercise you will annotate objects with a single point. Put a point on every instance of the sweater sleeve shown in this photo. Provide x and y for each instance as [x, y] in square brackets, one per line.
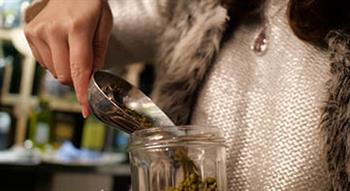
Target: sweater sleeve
[34, 9]
[137, 24]
[135, 29]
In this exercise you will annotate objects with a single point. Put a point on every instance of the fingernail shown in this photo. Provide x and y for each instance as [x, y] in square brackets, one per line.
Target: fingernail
[85, 112]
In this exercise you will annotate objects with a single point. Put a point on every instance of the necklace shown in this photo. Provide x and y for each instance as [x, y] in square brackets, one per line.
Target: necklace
[260, 43]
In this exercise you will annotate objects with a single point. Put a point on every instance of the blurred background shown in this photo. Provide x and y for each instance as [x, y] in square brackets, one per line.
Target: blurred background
[45, 143]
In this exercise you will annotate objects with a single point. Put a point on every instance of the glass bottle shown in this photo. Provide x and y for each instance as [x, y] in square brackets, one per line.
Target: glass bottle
[93, 134]
[40, 125]
[63, 130]
[5, 125]
[178, 158]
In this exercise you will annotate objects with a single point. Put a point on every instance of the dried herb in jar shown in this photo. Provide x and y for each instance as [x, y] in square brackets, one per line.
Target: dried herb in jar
[192, 180]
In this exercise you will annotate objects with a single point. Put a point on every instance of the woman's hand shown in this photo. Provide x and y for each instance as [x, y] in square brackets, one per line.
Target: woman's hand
[69, 38]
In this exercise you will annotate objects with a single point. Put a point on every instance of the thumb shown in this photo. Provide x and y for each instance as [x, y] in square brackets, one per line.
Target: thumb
[102, 35]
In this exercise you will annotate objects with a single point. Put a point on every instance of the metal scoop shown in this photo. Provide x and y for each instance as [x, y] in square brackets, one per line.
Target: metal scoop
[119, 104]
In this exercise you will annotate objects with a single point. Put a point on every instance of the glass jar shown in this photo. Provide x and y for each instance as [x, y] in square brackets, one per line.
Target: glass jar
[178, 158]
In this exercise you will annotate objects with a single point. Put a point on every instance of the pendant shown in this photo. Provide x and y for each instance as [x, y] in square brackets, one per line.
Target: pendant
[260, 43]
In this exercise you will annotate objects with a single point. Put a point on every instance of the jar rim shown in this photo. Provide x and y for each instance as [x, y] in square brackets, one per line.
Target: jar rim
[161, 137]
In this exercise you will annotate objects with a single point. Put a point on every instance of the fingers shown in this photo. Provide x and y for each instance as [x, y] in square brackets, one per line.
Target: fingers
[45, 55]
[70, 38]
[81, 61]
[36, 53]
[40, 49]
[60, 58]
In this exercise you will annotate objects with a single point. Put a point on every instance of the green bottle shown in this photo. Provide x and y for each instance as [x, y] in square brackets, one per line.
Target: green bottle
[93, 134]
[40, 125]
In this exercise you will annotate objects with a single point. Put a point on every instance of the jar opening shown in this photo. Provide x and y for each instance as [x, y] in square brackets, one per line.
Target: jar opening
[161, 137]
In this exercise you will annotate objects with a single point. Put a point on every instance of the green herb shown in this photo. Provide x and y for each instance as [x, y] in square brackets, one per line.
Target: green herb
[116, 94]
[192, 180]
[141, 119]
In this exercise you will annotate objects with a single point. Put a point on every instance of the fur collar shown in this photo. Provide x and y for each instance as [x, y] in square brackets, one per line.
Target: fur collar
[336, 114]
[188, 47]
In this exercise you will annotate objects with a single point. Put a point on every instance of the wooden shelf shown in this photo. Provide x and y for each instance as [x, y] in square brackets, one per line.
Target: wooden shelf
[11, 99]
[64, 105]
[117, 170]
[17, 37]
[24, 101]
[55, 103]
[6, 34]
